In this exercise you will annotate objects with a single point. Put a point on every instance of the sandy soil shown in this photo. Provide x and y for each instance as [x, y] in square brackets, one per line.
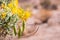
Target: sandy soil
[45, 32]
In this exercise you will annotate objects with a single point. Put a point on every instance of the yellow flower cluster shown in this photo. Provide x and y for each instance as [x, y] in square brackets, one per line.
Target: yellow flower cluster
[24, 15]
[16, 3]
[13, 3]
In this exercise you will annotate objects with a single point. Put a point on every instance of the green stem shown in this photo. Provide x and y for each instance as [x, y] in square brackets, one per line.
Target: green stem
[19, 32]
[23, 26]
[14, 30]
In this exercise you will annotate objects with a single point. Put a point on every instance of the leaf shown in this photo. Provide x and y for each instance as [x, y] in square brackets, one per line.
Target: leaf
[14, 30]
[19, 32]
[23, 26]
[8, 28]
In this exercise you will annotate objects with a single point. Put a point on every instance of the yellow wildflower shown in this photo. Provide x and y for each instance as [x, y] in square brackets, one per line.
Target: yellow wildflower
[16, 3]
[14, 10]
[10, 5]
[20, 12]
[26, 15]
[13, 3]
[3, 15]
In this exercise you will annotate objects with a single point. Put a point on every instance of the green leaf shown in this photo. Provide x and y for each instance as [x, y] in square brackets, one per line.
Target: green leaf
[19, 33]
[21, 30]
[14, 30]
[23, 26]
[8, 28]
